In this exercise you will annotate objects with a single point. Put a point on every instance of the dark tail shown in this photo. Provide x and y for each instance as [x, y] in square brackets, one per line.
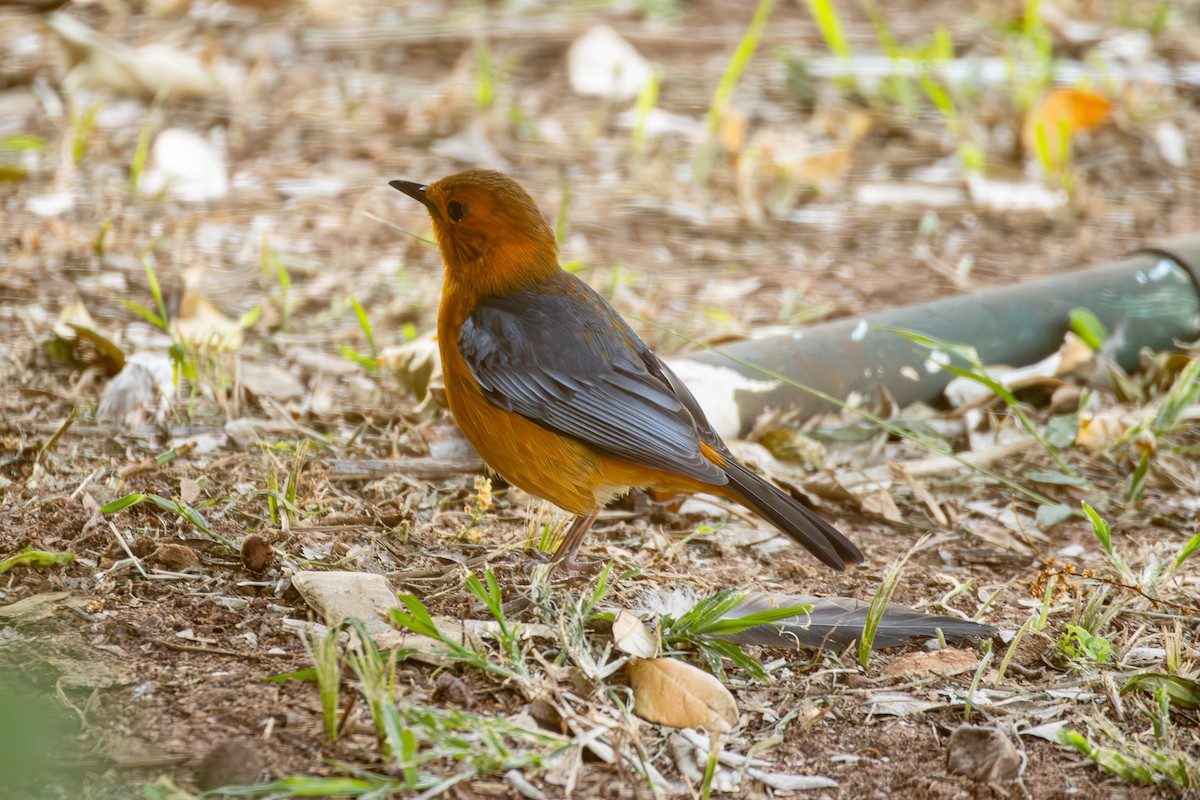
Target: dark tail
[818, 536]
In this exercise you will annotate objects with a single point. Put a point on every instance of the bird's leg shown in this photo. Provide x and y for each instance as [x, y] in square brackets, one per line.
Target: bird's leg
[564, 556]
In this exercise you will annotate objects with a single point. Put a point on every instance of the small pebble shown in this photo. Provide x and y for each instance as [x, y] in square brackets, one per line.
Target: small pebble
[453, 690]
[983, 754]
[143, 546]
[234, 762]
[175, 556]
[257, 553]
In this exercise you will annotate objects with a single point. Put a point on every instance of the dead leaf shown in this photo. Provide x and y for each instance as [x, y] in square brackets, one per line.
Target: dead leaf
[75, 326]
[600, 63]
[672, 692]
[897, 704]
[1013, 195]
[417, 364]
[823, 169]
[880, 503]
[631, 636]
[187, 166]
[947, 661]
[337, 596]
[100, 63]
[1097, 431]
[201, 324]
[74, 311]
[731, 132]
[1071, 357]
[367, 596]
[1076, 355]
[189, 490]
[789, 444]
[266, 379]
[1047, 730]
[1056, 119]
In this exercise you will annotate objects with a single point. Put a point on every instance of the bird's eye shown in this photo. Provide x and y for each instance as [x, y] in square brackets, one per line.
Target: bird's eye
[456, 210]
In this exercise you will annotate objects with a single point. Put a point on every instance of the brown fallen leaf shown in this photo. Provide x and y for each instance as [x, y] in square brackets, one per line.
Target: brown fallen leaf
[189, 490]
[269, 380]
[880, 503]
[1097, 431]
[947, 661]
[76, 327]
[672, 692]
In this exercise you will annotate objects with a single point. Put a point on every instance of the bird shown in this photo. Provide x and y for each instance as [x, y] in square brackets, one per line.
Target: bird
[556, 391]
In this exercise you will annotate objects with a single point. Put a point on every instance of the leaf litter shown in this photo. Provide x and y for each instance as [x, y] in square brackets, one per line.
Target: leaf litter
[254, 344]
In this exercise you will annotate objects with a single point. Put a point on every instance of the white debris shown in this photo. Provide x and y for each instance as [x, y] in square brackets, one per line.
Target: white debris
[1172, 144]
[1014, 195]
[602, 64]
[188, 166]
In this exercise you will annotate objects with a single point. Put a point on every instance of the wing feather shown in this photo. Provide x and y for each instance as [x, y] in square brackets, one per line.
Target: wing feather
[558, 354]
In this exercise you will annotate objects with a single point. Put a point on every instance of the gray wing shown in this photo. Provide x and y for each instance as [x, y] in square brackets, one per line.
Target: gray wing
[558, 354]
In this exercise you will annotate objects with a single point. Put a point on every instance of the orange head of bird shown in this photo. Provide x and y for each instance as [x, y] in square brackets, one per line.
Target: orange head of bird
[490, 231]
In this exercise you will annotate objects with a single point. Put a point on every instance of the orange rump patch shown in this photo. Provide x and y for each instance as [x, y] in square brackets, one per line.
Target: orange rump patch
[713, 455]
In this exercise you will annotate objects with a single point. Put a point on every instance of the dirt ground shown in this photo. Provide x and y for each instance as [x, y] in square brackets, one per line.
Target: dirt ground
[138, 668]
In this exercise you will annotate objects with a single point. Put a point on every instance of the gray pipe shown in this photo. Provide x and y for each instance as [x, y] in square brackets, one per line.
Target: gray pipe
[1150, 298]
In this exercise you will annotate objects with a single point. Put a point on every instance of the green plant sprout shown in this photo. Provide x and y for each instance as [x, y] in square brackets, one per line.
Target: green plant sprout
[726, 86]
[700, 624]
[369, 363]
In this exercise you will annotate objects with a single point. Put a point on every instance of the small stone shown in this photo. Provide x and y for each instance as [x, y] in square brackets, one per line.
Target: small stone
[983, 754]
[234, 762]
[143, 546]
[175, 556]
[257, 553]
[453, 690]
[1065, 399]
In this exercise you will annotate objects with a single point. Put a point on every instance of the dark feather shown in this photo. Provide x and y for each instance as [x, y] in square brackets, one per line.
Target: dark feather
[836, 622]
[822, 539]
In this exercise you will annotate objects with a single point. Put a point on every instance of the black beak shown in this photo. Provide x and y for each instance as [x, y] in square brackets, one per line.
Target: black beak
[417, 192]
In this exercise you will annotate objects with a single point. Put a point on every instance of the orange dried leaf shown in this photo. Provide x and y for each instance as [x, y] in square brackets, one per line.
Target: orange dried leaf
[1057, 118]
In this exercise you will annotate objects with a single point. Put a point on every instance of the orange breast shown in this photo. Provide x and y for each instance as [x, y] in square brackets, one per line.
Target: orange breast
[524, 453]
